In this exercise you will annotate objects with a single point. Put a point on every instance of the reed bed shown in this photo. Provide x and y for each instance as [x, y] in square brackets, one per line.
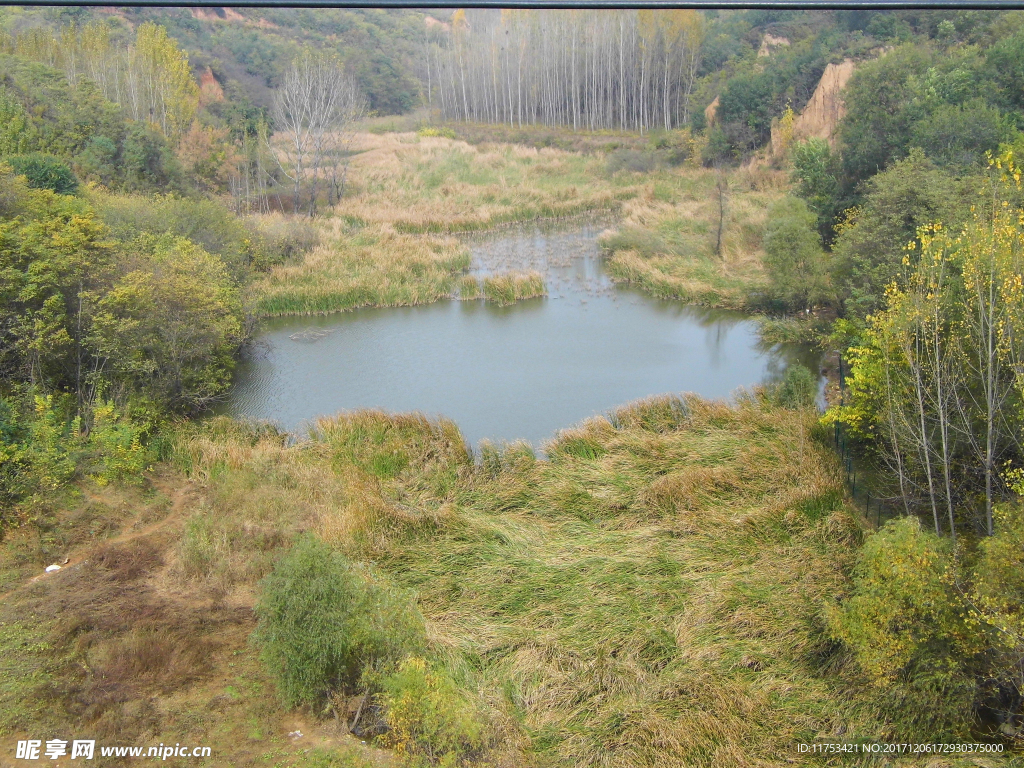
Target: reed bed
[514, 286]
[435, 184]
[667, 241]
[360, 267]
[470, 288]
[387, 244]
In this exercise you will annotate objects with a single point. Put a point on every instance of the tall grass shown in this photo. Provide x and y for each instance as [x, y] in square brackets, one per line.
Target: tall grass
[512, 287]
[372, 266]
[651, 594]
[469, 288]
[386, 245]
[435, 184]
[667, 242]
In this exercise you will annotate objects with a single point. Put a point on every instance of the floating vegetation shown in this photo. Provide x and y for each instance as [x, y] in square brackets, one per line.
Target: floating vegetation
[310, 335]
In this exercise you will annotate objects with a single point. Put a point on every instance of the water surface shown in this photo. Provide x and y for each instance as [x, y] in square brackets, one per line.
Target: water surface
[507, 373]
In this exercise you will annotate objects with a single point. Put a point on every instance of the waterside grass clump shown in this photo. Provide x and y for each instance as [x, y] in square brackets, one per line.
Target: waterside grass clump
[514, 286]
[469, 288]
[362, 267]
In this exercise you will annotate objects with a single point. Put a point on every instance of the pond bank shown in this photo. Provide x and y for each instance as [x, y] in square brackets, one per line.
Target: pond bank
[515, 372]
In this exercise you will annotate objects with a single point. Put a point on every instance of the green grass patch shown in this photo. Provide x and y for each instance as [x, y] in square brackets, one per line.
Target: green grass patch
[512, 287]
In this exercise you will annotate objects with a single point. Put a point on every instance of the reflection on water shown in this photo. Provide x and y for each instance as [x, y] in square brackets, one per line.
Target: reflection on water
[506, 373]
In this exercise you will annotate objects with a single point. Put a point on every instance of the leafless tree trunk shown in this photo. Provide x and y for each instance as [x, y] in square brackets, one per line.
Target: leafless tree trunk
[621, 68]
[721, 194]
[314, 108]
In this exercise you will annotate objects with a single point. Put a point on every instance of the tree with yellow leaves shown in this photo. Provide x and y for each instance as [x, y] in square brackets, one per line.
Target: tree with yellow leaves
[938, 385]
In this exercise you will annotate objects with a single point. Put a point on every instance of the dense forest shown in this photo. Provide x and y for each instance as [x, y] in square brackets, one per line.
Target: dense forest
[676, 582]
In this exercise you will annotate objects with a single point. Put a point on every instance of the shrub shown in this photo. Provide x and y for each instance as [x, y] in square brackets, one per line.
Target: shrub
[427, 715]
[793, 255]
[123, 457]
[170, 326]
[274, 239]
[631, 160]
[798, 388]
[51, 443]
[45, 172]
[998, 602]
[426, 131]
[907, 627]
[13, 465]
[325, 621]
[39, 448]
[204, 222]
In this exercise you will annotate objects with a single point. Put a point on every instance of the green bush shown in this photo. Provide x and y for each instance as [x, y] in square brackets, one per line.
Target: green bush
[794, 258]
[45, 172]
[118, 438]
[427, 715]
[818, 170]
[631, 160]
[13, 464]
[325, 621]
[205, 222]
[98, 161]
[427, 131]
[798, 388]
[51, 443]
[909, 630]
[275, 239]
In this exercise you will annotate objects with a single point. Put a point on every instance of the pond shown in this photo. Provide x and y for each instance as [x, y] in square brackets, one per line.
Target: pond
[507, 373]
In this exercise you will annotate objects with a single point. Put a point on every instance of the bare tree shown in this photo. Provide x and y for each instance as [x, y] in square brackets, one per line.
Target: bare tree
[314, 109]
[721, 195]
[616, 69]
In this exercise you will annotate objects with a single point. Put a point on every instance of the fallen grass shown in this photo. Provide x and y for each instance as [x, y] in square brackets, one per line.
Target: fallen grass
[650, 594]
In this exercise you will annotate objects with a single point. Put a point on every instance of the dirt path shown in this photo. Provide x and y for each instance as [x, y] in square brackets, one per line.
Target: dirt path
[180, 491]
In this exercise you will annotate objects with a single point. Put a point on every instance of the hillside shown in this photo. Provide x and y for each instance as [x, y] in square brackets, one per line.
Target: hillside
[808, 201]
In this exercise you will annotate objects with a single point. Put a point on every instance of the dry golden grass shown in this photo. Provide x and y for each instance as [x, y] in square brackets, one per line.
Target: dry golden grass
[650, 595]
[372, 266]
[385, 245]
[666, 243]
[435, 184]
[123, 646]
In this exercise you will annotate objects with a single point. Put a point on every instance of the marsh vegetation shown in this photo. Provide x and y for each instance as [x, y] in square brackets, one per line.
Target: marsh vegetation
[675, 581]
